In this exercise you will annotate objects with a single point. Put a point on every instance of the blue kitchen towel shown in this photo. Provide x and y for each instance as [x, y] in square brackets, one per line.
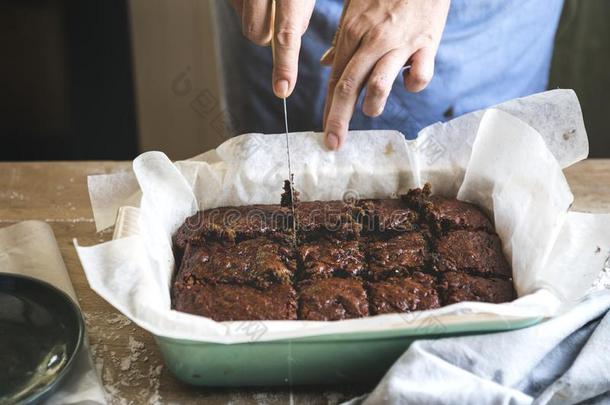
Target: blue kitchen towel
[564, 360]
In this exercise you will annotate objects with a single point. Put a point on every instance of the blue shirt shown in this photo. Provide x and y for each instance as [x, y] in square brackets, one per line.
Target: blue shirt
[491, 51]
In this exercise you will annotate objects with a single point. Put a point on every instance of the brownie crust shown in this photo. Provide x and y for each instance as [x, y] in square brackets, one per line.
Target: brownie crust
[403, 294]
[330, 257]
[234, 223]
[316, 219]
[396, 255]
[443, 214]
[225, 302]
[446, 214]
[458, 287]
[258, 262]
[332, 299]
[476, 252]
[385, 215]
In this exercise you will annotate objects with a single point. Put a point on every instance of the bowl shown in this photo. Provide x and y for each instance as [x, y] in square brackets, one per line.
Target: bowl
[41, 334]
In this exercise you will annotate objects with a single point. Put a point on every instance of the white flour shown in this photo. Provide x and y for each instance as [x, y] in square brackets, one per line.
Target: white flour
[122, 361]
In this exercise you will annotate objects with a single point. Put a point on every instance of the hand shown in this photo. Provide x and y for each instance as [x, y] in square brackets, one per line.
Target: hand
[291, 21]
[375, 40]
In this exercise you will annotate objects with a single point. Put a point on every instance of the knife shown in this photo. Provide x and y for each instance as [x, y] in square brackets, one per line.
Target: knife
[290, 174]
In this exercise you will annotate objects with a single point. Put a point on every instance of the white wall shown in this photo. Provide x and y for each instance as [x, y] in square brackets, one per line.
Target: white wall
[177, 91]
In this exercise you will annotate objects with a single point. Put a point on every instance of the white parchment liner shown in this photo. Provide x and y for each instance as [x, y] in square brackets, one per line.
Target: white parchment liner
[492, 158]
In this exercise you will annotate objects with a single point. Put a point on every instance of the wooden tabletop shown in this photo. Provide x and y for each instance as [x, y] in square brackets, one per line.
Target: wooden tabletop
[125, 355]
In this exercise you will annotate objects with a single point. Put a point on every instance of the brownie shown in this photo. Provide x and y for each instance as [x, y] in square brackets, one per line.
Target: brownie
[226, 302]
[457, 287]
[234, 223]
[328, 257]
[390, 214]
[396, 255]
[446, 214]
[403, 294]
[332, 299]
[474, 252]
[259, 262]
[348, 259]
[319, 218]
[290, 196]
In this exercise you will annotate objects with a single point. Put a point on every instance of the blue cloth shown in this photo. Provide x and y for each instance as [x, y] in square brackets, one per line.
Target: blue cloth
[565, 360]
[491, 51]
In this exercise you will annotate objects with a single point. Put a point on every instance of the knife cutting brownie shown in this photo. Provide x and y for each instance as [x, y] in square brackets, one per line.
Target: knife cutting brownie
[347, 259]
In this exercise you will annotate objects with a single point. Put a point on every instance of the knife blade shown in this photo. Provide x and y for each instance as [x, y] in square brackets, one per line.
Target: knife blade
[290, 174]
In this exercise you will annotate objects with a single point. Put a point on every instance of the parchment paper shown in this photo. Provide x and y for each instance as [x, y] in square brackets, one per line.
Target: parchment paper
[509, 168]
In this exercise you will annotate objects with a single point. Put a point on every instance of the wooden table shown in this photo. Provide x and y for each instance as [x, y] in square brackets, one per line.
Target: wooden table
[126, 356]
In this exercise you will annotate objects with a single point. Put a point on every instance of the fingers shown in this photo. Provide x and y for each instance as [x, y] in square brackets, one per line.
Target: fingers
[348, 41]
[345, 96]
[381, 80]
[422, 69]
[256, 20]
[291, 20]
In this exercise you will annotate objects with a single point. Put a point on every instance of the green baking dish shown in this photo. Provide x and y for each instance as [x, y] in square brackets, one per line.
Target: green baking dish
[326, 359]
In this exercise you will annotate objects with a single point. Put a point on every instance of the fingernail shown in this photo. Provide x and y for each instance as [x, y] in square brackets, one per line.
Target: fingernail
[332, 141]
[281, 88]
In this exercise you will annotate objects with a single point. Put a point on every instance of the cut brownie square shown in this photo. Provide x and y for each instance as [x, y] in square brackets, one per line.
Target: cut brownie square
[475, 252]
[233, 223]
[444, 214]
[332, 299]
[396, 255]
[457, 287]
[328, 257]
[225, 302]
[259, 262]
[319, 218]
[416, 292]
[391, 214]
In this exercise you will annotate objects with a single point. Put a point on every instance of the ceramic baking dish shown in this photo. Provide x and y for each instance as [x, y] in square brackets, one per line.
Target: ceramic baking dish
[327, 359]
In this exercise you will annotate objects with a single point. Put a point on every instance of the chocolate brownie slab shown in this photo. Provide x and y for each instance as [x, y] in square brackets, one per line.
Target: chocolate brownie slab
[330, 257]
[415, 292]
[396, 255]
[259, 262]
[226, 302]
[474, 252]
[458, 287]
[332, 299]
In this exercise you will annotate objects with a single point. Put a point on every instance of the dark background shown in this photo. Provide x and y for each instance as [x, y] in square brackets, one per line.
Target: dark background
[66, 80]
[67, 88]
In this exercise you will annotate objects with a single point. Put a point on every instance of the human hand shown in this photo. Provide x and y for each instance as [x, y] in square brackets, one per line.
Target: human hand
[373, 43]
[291, 21]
